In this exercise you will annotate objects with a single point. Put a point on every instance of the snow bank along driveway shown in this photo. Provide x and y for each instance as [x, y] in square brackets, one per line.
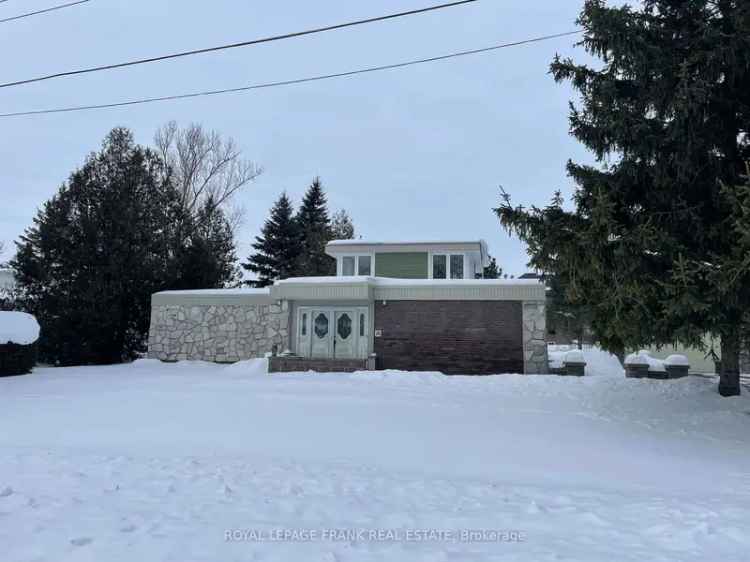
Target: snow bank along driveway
[191, 462]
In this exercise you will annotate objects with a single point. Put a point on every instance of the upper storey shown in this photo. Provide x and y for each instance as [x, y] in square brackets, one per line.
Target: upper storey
[410, 260]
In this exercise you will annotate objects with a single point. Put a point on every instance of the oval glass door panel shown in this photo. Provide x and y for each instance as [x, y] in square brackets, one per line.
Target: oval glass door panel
[321, 340]
[344, 326]
[321, 325]
[345, 338]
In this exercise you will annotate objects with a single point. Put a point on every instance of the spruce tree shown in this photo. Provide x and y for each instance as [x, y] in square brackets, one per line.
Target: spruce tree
[207, 258]
[96, 253]
[315, 228]
[653, 249]
[279, 246]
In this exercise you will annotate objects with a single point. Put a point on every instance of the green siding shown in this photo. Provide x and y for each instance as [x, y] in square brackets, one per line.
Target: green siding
[402, 265]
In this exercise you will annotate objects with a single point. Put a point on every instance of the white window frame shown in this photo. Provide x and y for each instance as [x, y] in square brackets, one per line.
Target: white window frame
[340, 264]
[447, 263]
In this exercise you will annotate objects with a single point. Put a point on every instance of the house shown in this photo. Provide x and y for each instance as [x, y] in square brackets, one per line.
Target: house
[392, 305]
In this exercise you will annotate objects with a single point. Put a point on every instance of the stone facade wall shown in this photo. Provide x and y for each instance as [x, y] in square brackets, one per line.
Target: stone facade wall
[534, 342]
[220, 333]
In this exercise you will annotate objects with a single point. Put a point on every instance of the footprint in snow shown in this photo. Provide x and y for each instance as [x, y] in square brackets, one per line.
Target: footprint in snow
[81, 541]
[593, 518]
[7, 491]
[533, 508]
[128, 529]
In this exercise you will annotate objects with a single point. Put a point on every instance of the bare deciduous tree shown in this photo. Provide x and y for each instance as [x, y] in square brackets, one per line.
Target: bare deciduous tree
[204, 165]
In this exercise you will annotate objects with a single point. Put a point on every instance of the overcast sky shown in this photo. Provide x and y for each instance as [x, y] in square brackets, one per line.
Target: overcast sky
[416, 153]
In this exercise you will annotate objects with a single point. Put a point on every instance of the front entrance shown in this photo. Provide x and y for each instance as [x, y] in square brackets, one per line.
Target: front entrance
[332, 332]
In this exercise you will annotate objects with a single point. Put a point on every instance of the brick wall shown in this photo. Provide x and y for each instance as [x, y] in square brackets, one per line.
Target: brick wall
[300, 364]
[454, 337]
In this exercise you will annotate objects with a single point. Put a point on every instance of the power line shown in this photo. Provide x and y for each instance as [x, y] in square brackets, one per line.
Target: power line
[289, 82]
[236, 45]
[52, 9]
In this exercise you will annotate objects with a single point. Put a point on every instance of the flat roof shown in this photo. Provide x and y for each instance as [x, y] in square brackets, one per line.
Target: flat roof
[391, 281]
[362, 289]
[355, 242]
[237, 291]
[338, 247]
[383, 288]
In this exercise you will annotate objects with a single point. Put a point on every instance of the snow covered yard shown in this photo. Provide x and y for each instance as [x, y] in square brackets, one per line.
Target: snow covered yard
[153, 461]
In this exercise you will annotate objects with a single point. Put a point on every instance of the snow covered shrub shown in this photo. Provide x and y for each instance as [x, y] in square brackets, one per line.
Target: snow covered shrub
[19, 333]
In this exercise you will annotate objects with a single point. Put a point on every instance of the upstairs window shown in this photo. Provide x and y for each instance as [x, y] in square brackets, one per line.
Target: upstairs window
[439, 266]
[364, 265]
[347, 266]
[447, 266]
[356, 265]
[457, 266]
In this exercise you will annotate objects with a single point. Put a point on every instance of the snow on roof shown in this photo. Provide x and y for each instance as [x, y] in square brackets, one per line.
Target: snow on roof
[384, 281]
[343, 244]
[387, 281]
[206, 292]
[324, 280]
[18, 327]
[355, 242]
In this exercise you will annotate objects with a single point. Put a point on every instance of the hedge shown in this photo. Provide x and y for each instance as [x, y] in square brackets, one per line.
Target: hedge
[17, 359]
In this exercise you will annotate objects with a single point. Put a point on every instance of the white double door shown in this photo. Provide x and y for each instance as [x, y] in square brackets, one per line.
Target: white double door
[338, 333]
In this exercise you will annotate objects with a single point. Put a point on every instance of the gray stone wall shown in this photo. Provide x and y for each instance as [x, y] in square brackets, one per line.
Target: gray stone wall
[221, 333]
[534, 342]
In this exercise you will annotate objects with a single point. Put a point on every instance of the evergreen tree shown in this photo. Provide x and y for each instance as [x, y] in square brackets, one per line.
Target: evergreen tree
[315, 228]
[207, 257]
[96, 253]
[566, 319]
[342, 227]
[653, 249]
[279, 246]
[493, 271]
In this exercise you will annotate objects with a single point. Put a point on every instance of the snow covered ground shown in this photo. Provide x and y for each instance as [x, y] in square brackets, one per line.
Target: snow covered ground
[198, 462]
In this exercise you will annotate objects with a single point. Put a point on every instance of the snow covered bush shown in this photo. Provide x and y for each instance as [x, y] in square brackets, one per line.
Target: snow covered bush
[641, 364]
[19, 333]
[597, 361]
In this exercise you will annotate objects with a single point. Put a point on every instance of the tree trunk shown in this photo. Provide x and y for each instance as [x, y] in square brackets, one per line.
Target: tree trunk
[729, 378]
